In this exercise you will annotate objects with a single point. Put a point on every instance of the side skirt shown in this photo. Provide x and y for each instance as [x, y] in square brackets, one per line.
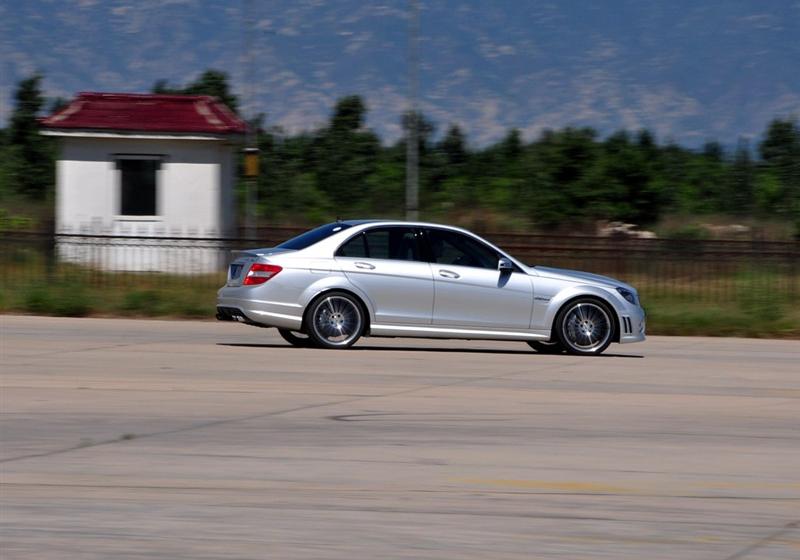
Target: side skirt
[419, 331]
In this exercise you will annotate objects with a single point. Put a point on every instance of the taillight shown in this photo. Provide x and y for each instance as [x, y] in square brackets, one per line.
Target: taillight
[260, 273]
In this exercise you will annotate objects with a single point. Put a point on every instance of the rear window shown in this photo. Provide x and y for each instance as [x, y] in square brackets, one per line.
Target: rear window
[316, 235]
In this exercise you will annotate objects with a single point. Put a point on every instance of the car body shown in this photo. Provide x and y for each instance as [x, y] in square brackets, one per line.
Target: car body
[331, 285]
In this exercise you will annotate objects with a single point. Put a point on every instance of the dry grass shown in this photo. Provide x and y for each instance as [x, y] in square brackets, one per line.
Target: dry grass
[755, 303]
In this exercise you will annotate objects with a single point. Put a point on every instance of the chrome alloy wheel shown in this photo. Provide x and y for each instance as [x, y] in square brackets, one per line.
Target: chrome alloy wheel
[335, 321]
[586, 327]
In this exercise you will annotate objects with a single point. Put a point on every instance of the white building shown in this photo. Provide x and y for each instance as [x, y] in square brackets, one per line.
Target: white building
[136, 165]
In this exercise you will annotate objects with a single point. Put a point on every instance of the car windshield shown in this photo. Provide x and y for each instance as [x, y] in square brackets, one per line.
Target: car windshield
[316, 235]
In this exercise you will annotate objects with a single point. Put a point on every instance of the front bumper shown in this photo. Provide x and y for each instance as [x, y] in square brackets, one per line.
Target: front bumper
[633, 325]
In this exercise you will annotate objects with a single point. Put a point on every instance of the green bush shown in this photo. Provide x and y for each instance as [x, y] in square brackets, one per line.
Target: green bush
[690, 232]
[21, 255]
[65, 299]
[143, 302]
[194, 309]
[71, 300]
[9, 221]
[38, 299]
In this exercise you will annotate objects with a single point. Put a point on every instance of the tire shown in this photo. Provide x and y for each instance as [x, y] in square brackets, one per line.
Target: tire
[585, 327]
[553, 347]
[335, 320]
[295, 338]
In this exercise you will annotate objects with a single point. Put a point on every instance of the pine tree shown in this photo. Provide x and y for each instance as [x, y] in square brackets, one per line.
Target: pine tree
[31, 158]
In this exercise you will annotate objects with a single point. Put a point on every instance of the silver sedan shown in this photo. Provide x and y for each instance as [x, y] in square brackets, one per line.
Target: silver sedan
[338, 282]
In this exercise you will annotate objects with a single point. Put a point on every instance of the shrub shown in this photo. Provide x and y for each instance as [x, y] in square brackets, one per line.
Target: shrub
[38, 299]
[690, 232]
[71, 301]
[195, 309]
[143, 302]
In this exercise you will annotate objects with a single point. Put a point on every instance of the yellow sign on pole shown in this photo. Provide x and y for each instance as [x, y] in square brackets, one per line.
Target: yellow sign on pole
[251, 162]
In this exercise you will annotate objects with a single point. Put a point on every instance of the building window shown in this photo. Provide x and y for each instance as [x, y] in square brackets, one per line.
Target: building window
[138, 185]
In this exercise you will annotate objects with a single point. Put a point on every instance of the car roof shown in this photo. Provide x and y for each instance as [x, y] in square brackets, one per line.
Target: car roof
[358, 222]
[397, 223]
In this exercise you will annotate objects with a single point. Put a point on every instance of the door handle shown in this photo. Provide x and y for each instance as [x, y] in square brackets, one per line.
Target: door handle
[449, 274]
[364, 265]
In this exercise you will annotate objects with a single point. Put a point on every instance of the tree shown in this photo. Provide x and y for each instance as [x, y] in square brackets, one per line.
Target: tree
[344, 155]
[444, 168]
[211, 82]
[741, 182]
[512, 144]
[780, 151]
[425, 129]
[5, 165]
[162, 86]
[214, 83]
[28, 102]
[31, 158]
[55, 104]
[713, 151]
[556, 169]
[453, 146]
[619, 182]
[781, 144]
[348, 115]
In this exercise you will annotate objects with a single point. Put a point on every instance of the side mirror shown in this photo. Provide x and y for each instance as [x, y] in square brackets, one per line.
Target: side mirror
[505, 265]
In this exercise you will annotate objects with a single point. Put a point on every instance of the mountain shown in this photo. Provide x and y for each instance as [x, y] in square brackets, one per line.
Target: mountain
[691, 71]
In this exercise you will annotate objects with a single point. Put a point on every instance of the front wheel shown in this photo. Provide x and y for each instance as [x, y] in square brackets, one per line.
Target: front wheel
[295, 338]
[585, 327]
[334, 320]
[542, 347]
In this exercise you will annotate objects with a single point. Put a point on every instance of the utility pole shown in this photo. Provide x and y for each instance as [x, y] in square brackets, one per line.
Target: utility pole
[251, 152]
[412, 135]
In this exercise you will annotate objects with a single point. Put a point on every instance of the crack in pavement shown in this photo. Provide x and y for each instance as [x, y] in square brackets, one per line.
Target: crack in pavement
[765, 541]
[225, 421]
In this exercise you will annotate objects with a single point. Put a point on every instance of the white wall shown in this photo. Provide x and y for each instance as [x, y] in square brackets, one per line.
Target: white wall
[193, 192]
[194, 199]
[227, 199]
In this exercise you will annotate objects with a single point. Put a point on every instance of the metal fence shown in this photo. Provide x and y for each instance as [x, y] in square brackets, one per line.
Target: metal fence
[705, 270]
[700, 270]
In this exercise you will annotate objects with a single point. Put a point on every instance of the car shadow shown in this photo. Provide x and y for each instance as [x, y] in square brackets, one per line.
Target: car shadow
[424, 349]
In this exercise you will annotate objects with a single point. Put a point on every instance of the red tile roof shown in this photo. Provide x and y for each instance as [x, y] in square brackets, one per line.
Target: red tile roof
[135, 112]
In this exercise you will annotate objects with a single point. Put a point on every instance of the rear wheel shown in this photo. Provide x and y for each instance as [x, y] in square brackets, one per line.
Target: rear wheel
[553, 347]
[295, 338]
[585, 327]
[335, 320]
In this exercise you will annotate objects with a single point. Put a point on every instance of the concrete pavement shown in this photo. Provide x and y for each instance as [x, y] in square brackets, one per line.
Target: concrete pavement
[180, 439]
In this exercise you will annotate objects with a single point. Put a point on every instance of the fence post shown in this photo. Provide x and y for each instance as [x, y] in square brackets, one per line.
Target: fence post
[794, 273]
[49, 249]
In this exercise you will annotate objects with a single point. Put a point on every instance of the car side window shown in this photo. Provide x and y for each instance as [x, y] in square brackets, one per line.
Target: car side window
[450, 247]
[395, 243]
[354, 247]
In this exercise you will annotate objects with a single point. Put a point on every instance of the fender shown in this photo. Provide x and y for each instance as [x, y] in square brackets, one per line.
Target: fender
[328, 283]
[573, 292]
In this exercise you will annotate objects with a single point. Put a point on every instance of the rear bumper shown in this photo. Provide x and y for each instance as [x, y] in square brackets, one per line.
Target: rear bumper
[257, 312]
[232, 314]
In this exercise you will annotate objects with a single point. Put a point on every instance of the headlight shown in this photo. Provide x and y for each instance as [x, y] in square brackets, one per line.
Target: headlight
[629, 296]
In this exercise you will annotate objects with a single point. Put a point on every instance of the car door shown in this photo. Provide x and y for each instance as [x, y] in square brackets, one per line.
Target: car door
[469, 290]
[386, 264]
